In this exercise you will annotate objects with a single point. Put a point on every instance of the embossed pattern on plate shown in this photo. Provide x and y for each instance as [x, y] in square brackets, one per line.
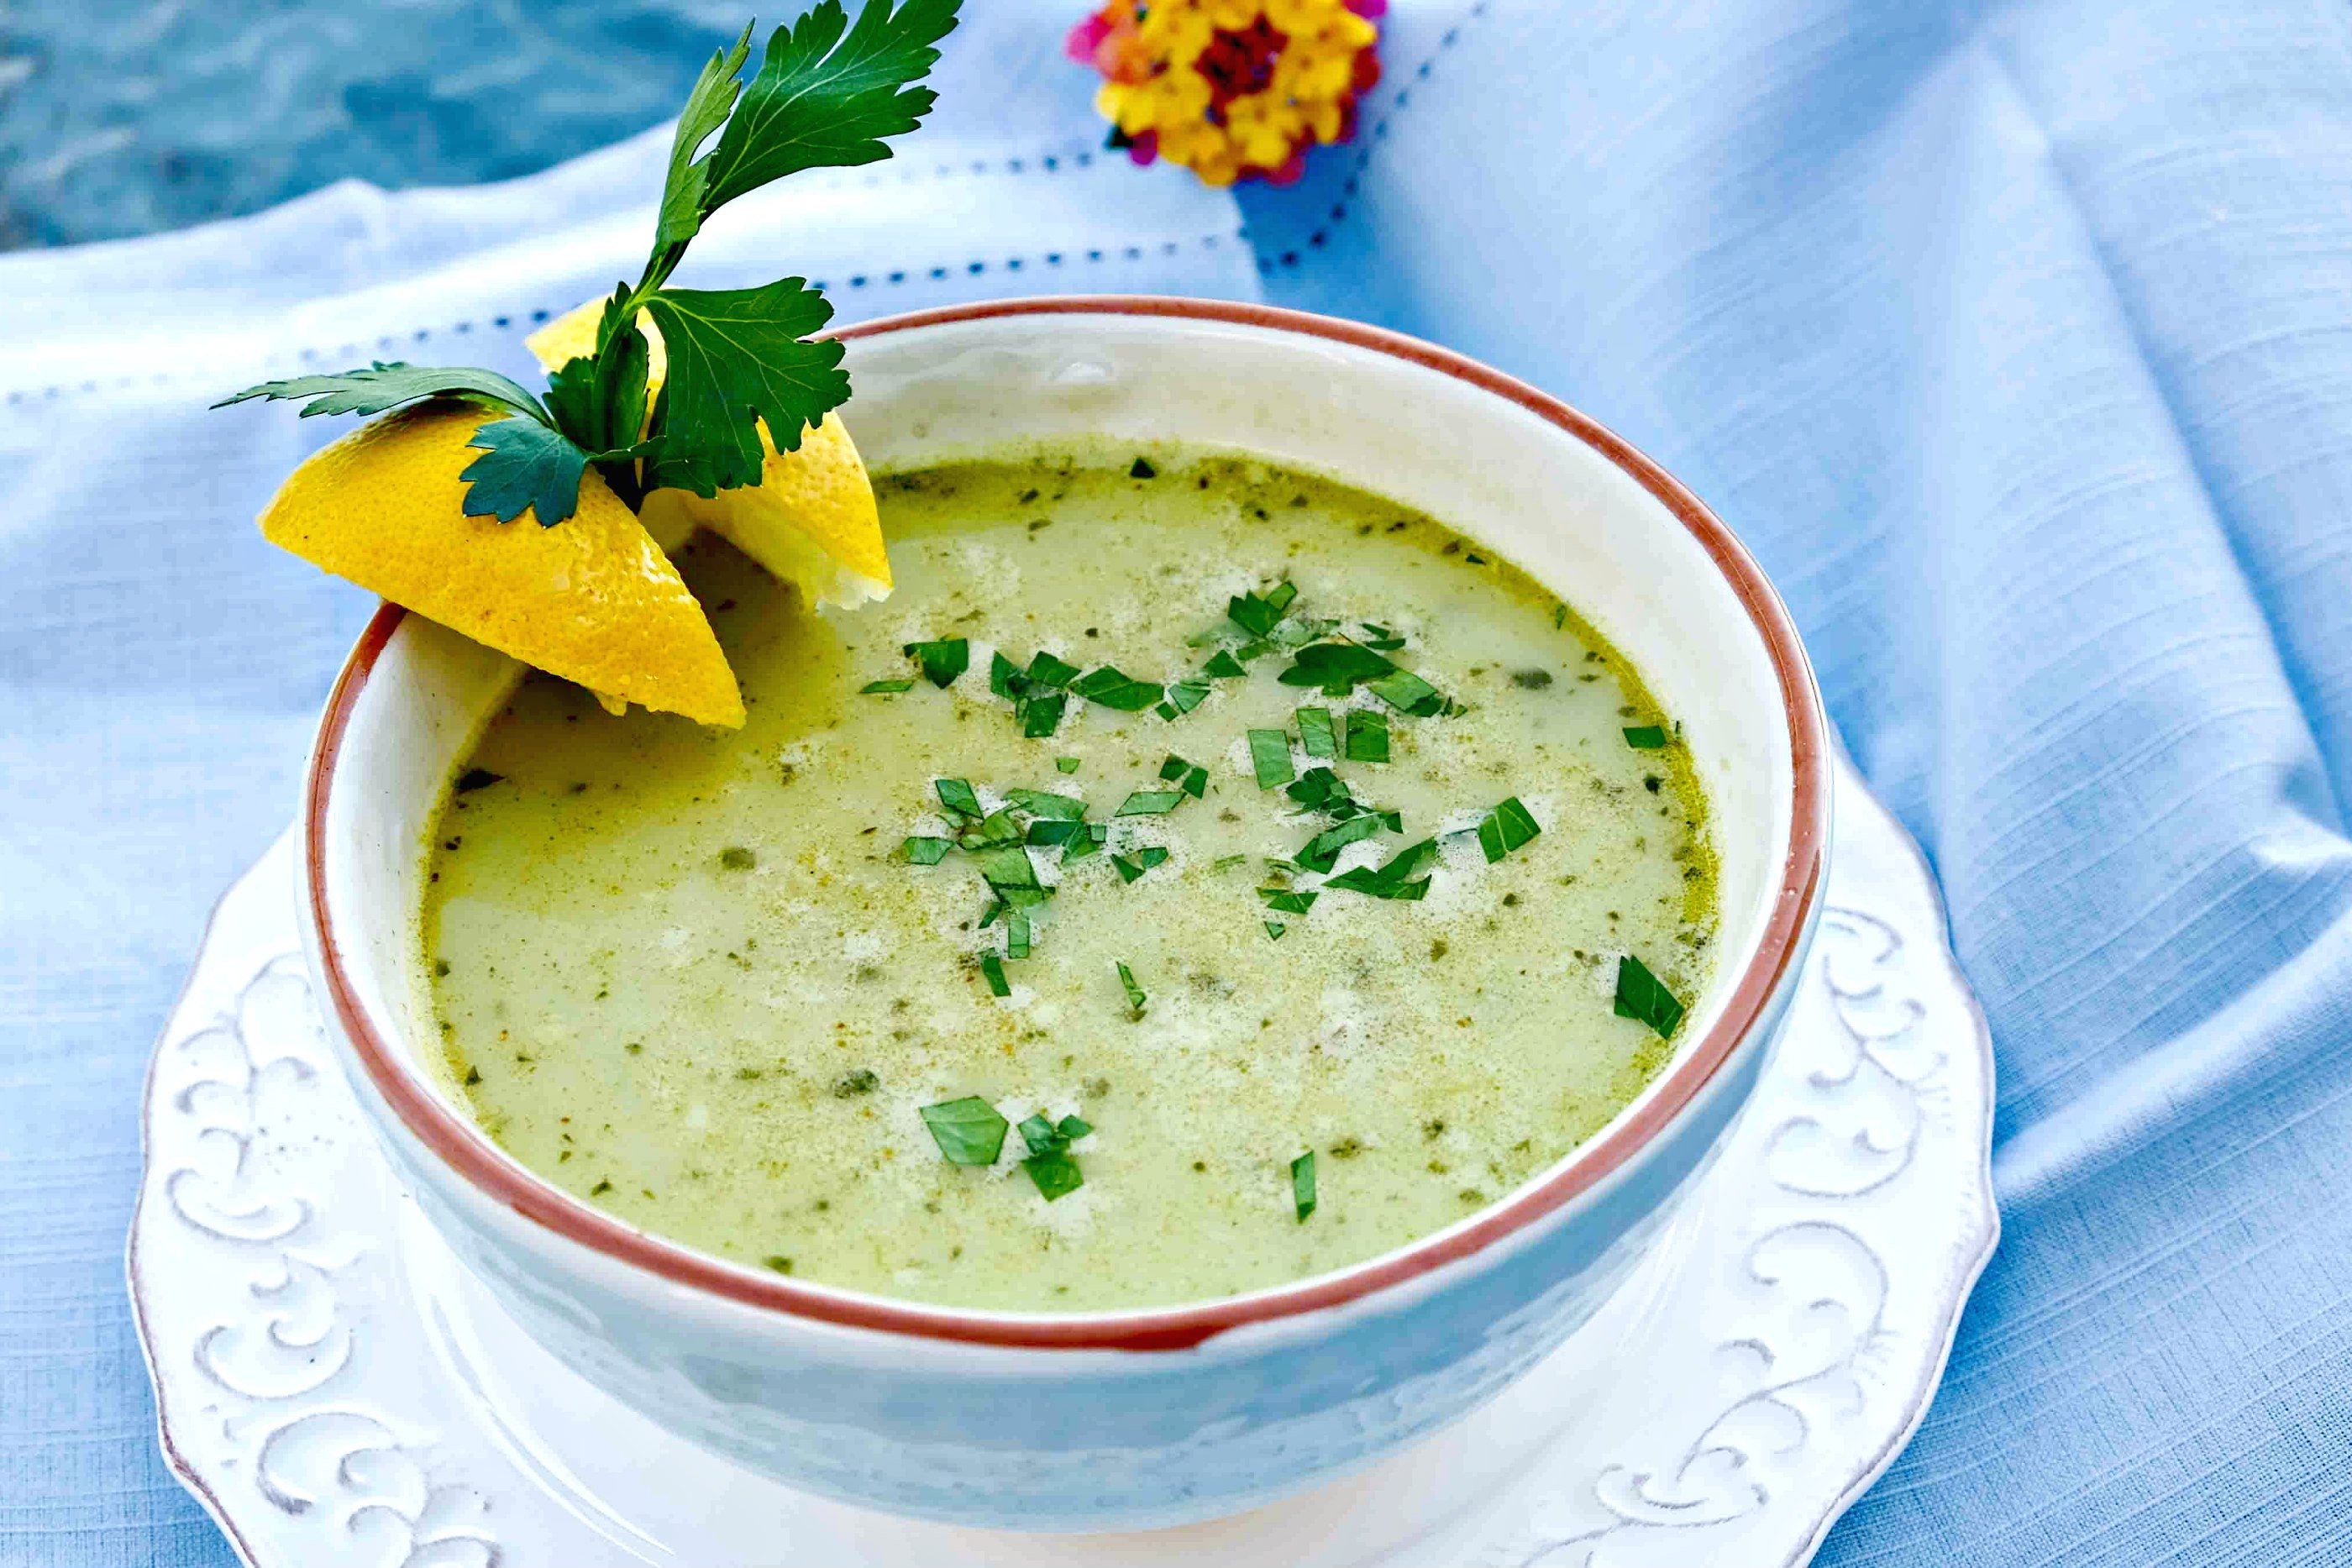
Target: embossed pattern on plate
[335, 1388]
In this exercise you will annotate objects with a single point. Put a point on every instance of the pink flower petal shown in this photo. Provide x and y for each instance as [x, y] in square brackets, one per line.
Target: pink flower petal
[1085, 40]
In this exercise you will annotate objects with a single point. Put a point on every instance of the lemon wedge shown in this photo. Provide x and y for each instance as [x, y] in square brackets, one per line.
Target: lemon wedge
[594, 599]
[811, 521]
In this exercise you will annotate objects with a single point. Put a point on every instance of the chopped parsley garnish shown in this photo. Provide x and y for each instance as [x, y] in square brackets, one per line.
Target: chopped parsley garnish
[1133, 866]
[924, 851]
[1110, 689]
[1366, 735]
[1057, 1174]
[969, 1132]
[956, 796]
[474, 778]
[1288, 901]
[943, 661]
[1302, 1185]
[1183, 697]
[1038, 803]
[1150, 803]
[1045, 670]
[1041, 716]
[1316, 734]
[1275, 928]
[1017, 934]
[1407, 694]
[1190, 778]
[1322, 850]
[998, 827]
[1642, 995]
[1003, 676]
[885, 688]
[1504, 828]
[1337, 667]
[1270, 757]
[1646, 737]
[991, 969]
[1257, 613]
[1381, 637]
[1135, 996]
[1141, 469]
[1066, 764]
[1048, 832]
[1223, 665]
[1091, 841]
[1396, 879]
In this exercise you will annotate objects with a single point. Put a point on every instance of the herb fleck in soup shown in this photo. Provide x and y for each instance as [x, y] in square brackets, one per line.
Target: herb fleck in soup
[1196, 876]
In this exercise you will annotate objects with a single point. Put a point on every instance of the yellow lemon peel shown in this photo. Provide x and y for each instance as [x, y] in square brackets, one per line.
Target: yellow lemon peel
[594, 599]
[811, 521]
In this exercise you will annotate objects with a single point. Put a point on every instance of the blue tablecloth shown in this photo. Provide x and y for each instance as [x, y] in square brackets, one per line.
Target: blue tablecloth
[2019, 343]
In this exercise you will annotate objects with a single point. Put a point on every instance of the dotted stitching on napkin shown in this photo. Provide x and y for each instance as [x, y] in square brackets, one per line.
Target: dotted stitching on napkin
[391, 341]
[1371, 142]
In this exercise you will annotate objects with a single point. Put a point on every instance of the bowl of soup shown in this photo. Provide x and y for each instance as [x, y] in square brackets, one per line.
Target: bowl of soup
[1221, 971]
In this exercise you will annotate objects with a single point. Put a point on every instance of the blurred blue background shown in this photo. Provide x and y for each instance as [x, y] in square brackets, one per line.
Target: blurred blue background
[122, 116]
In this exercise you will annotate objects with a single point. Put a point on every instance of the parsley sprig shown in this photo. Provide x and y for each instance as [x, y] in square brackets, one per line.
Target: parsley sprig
[827, 95]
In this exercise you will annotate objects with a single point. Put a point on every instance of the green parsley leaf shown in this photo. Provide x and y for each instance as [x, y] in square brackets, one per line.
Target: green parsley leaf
[1037, 804]
[1322, 850]
[1149, 803]
[1017, 935]
[1642, 995]
[524, 467]
[1133, 866]
[1504, 828]
[823, 101]
[1091, 841]
[1045, 670]
[957, 798]
[1049, 833]
[885, 688]
[1257, 613]
[1066, 764]
[1409, 694]
[1288, 901]
[707, 105]
[1646, 737]
[1135, 996]
[942, 661]
[1302, 1185]
[927, 851]
[992, 968]
[1191, 780]
[1112, 689]
[1270, 757]
[1223, 665]
[1316, 734]
[1057, 1174]
[1337, 667]
[738, 357]
[1007, 867]
[969, 1132]
[1141, 469]
[386, 384]
[998, 827]
[1396, 879]
[1183, 697]
[1003, 675]
[1041, 716]
[1366, 735]
[1275, 928]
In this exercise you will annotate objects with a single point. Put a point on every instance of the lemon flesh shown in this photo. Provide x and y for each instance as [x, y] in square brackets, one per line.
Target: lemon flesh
[594, 599]
[811, 521]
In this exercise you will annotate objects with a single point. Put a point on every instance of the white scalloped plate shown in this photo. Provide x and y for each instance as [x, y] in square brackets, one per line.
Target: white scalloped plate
[335, 1388]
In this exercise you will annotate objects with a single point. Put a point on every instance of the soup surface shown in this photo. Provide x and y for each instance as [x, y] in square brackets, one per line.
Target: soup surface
[1259, 955]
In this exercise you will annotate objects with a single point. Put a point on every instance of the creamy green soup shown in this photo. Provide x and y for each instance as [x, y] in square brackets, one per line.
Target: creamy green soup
[1195, 876]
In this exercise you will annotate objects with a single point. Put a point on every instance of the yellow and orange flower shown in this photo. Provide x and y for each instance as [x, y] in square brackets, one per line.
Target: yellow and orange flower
[1232, 90]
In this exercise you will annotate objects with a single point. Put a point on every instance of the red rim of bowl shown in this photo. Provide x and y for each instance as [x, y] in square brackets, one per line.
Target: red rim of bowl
[456, 1142]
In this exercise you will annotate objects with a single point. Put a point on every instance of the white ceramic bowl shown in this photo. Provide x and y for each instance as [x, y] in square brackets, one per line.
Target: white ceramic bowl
[1126, 1420]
